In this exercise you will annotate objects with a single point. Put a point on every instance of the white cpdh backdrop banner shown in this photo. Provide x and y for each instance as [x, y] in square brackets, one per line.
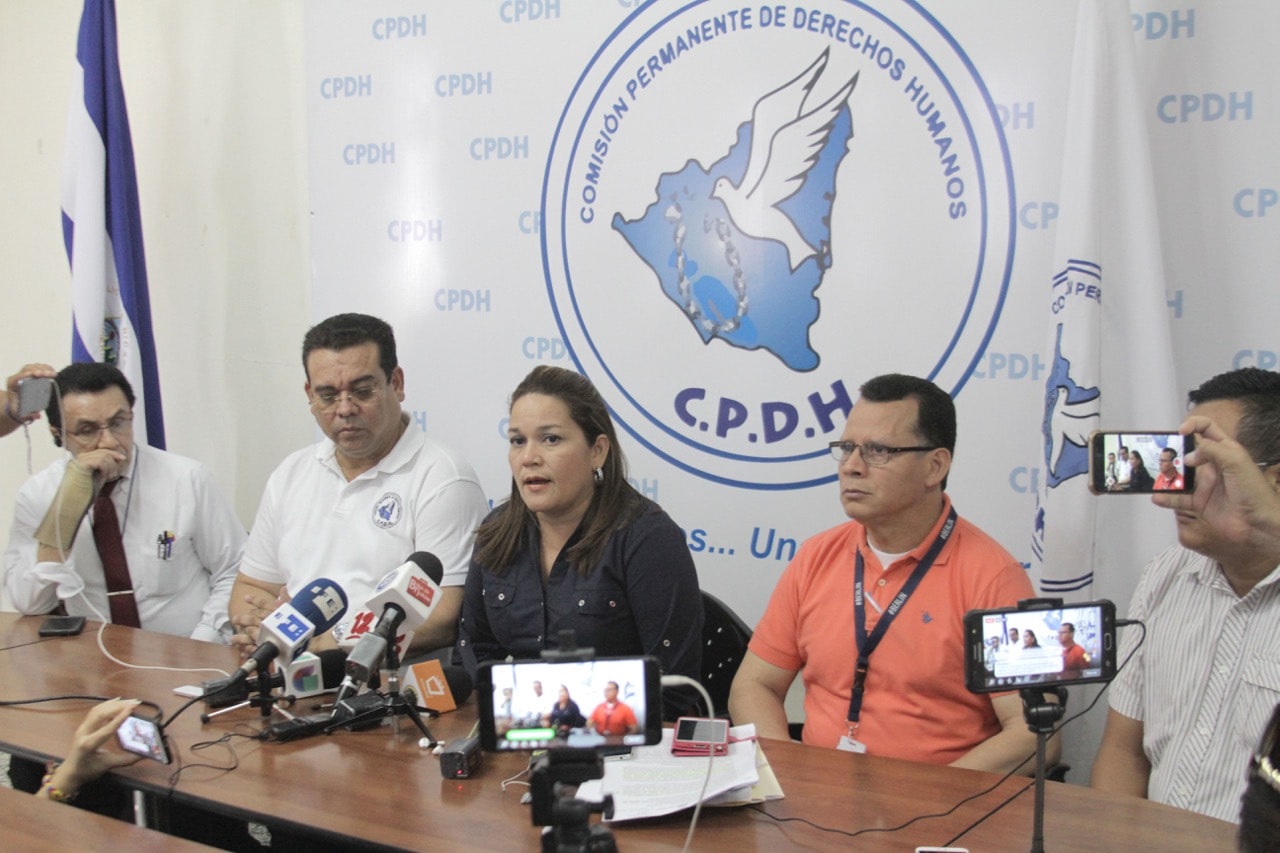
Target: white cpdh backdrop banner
[585, 183]
[729, 215]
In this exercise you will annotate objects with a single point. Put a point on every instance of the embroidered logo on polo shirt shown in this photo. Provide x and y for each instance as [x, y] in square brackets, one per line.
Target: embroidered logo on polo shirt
[386, 512]
[925, 617]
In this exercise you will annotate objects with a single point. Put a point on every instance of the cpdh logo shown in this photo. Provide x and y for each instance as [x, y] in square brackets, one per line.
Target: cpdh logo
[750, 211]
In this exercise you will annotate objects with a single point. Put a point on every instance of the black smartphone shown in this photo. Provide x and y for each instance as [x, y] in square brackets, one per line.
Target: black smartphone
[537, 704]
[141, 735]
[34, 394]
[1008, 649]
[61, 626]
[1139, 462]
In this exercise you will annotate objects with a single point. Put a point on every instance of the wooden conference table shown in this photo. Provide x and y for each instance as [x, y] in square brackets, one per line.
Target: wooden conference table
[379, 788]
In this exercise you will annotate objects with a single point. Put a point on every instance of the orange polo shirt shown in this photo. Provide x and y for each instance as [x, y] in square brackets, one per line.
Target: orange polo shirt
[915, 705]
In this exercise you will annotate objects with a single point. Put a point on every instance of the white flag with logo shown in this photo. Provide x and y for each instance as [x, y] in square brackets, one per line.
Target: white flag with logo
[1109, 348]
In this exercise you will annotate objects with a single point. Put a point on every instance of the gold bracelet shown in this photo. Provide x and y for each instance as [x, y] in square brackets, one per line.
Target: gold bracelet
[56, 794]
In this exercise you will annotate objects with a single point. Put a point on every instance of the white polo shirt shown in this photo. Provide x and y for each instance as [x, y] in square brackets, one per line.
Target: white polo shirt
[312, 523]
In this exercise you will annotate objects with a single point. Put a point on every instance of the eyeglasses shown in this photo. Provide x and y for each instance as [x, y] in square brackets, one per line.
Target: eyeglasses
[117, 426]
[328, 401]
[872, 454]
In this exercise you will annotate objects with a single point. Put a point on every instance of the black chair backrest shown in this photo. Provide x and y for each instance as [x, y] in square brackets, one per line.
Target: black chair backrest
[724, 642]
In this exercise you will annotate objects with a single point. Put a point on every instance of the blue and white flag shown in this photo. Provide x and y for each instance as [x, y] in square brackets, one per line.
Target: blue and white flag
[102, 227]
[1109, 349]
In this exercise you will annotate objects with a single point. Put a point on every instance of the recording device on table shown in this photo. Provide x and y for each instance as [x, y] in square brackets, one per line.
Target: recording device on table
[141, 734]
[1149, 445]
[700, 736]
[34, 394]
[61, 626]
[995, 663]
[519, 726]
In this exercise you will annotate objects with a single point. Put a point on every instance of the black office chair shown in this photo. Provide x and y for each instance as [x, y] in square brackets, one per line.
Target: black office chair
[724, 642]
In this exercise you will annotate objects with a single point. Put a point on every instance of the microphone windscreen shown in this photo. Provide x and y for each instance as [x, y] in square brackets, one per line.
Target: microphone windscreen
[430, 565]
[285, 631]
[333, 663]
[460, 684]
[321, 602]
[413, 588]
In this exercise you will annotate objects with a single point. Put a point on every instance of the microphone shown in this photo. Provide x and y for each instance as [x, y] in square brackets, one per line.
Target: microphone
[437, 686]
[459, 682]
[287, 630]
[406, 595]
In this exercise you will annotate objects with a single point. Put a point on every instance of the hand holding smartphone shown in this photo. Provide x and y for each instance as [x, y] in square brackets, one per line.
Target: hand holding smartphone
[34, 394]
[141, 735]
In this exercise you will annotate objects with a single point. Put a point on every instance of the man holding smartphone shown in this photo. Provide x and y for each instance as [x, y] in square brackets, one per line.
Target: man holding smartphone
[872, 612]
[177, 543]
[1188, 707]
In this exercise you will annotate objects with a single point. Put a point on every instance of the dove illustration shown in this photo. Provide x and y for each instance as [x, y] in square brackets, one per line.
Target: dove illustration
[785, 142]
[1071, 422]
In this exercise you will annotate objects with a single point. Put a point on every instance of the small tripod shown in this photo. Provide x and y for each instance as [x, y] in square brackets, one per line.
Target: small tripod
[241, 693]
[367, 709]
[1041, 716]
[566, 819]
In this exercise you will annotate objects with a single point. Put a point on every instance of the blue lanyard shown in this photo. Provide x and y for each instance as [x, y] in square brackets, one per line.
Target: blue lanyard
[867, 644]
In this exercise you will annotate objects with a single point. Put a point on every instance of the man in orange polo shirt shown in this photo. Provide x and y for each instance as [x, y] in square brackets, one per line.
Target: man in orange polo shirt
[878, 602]
[613, 716]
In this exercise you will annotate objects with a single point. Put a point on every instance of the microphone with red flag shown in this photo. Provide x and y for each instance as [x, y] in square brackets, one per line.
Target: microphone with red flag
[405, 597]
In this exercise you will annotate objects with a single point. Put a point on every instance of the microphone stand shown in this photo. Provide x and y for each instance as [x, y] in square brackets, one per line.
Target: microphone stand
[1041, 717]
[368, 709]
[265, 700]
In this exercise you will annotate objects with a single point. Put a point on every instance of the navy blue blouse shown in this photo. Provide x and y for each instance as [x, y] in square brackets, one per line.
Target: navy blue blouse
[641, 598]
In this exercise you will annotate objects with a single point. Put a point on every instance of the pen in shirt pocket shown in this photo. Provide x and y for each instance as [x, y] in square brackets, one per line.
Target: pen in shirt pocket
[164, 545]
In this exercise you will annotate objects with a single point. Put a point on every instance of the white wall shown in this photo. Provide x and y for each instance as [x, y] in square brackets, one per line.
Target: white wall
[219, 134]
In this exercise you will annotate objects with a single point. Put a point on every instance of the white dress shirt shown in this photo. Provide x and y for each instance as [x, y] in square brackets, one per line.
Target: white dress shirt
[182, 540]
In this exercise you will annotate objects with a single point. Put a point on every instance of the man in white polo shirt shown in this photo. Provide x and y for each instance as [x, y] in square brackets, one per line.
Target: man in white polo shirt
[354, 506]
[1188, 709]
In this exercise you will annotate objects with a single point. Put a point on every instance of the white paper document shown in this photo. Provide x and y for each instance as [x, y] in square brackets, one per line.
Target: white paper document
[653, 782]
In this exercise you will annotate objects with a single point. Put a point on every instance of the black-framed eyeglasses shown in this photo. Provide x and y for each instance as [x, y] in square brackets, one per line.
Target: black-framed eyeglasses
[872, 453]
[117, 426]
[361, 395]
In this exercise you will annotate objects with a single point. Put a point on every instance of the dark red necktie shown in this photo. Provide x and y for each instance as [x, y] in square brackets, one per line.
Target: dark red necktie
[115, 568]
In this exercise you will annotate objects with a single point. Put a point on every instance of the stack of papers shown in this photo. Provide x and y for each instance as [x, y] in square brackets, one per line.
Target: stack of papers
[653, 782]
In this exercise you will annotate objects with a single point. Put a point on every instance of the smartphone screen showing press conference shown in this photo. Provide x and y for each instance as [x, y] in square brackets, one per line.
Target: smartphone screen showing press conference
[609, 702]
[1138, 462]
[1011, 649]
